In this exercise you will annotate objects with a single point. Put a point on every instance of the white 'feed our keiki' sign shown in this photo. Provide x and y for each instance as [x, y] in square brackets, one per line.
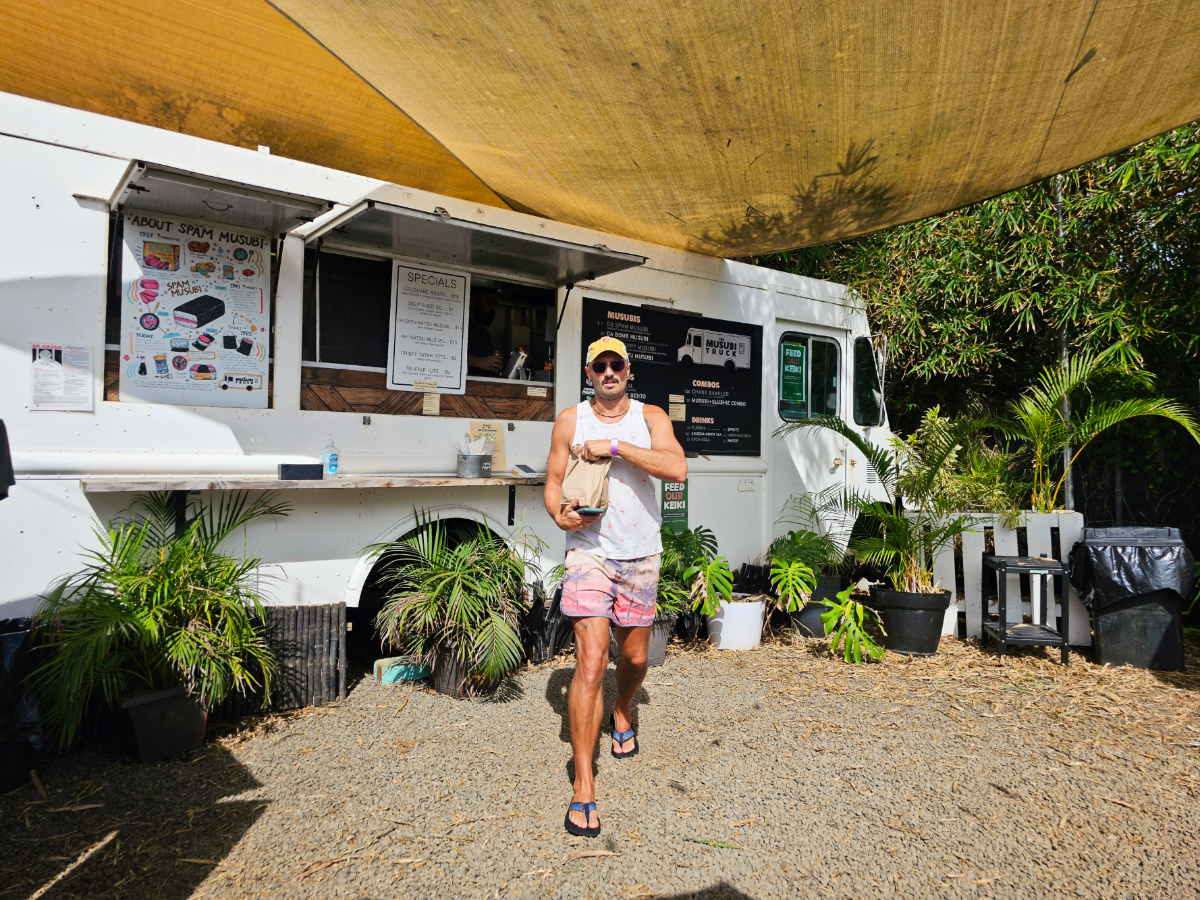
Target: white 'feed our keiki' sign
[195, 312]
[427, 344]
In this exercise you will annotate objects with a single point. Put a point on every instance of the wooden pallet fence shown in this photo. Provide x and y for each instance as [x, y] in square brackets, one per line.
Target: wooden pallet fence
[1046, 534]
[309, 643]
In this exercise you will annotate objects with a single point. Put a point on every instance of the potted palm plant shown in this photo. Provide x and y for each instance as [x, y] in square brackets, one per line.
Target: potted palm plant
[905, 535]
[454, 601]
[160, 621]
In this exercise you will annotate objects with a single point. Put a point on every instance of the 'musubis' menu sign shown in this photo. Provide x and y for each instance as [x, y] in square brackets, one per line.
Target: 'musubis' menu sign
[706, 373]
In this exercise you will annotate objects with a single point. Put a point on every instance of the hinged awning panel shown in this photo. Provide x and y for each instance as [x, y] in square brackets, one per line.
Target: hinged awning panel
[373, 226]
[194, 196]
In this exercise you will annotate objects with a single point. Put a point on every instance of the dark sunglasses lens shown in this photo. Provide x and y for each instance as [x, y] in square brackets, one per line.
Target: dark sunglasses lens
[618, 365]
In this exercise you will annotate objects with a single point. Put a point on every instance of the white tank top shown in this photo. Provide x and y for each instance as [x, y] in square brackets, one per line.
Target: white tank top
[629, 528]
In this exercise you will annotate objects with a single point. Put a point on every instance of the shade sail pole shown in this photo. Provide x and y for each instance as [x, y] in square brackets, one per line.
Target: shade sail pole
[1064, 355]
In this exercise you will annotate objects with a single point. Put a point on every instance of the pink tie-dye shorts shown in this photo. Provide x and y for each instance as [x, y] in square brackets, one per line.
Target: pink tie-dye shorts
[623, 590]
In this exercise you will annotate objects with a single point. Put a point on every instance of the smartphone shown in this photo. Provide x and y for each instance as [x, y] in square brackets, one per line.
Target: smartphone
[589, 510]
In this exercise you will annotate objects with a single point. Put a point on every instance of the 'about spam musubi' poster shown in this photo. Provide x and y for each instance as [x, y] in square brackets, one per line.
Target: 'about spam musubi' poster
[705, 373]
[195, 312]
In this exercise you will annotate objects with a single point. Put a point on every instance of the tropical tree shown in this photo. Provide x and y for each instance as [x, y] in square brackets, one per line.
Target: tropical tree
[906, 534]
[1036, 418]
[155, 607]
[457, 591]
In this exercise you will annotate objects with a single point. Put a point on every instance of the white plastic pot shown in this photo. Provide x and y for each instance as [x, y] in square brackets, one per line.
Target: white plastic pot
[738, 625]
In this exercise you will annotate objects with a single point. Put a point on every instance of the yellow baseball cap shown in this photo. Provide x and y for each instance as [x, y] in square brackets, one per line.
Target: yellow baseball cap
[607, 344]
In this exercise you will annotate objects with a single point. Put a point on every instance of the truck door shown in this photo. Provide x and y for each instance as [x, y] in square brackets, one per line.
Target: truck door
[807, 383]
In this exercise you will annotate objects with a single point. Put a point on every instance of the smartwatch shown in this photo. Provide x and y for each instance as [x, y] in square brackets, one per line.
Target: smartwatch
[612, 448]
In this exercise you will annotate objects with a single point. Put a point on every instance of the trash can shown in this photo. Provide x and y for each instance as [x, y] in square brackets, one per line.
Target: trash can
[1134, 581]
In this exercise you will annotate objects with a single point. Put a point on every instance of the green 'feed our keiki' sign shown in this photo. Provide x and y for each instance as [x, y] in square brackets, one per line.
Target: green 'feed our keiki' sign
[674, 505]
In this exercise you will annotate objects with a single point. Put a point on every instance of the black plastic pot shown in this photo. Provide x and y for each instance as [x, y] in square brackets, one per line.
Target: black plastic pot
[165, 723]
[449, 674]
[913, 622]
[807, 621]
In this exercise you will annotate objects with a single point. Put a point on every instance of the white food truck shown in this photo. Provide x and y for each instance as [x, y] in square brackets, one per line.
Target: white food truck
[715, 348]
[183, 315]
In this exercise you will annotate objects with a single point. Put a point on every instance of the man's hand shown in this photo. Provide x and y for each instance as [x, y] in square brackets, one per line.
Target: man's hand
[569, 520]
[594, 451]
[491, 363]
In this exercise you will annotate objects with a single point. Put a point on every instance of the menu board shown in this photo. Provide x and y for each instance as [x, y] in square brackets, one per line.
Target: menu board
[427, 344]
[195, 312]
[705, 373]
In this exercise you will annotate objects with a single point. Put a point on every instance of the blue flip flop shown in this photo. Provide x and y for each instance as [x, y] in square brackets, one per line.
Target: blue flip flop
[586, 809]
[621, 737]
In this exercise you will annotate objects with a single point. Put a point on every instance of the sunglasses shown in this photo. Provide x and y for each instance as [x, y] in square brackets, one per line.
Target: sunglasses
[601, 365]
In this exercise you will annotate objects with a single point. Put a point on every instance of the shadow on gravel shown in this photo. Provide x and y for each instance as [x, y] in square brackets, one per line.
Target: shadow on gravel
[556, 695]
[1189, 678]
[722, 890]
[506, 691]
[173, 823]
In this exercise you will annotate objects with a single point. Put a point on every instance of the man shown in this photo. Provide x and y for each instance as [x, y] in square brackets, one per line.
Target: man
[482, 356]
[612, 559]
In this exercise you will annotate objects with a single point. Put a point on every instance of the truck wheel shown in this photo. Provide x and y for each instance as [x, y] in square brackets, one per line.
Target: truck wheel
[730, 364]
[687, 361]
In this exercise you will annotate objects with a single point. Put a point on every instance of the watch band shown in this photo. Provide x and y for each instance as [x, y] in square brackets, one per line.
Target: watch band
[612, 448]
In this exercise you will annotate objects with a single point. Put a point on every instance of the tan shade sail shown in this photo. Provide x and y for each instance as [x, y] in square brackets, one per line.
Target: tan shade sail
[235, 71]
[730, 127]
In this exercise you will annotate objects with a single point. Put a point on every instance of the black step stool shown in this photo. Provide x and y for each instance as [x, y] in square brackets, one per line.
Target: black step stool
[1022, 635]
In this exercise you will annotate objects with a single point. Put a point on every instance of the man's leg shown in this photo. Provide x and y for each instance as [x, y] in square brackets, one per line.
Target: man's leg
[631, 671]
[585, 704]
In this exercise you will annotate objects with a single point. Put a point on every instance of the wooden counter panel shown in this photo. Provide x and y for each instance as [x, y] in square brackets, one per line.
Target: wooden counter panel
[349, 390]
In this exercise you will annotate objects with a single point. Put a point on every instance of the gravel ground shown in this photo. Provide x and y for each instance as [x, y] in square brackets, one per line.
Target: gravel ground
[777, 772]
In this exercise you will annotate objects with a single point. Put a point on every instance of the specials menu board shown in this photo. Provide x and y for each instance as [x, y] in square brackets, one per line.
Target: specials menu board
[705, 373]
[427, 348]
[195, 312]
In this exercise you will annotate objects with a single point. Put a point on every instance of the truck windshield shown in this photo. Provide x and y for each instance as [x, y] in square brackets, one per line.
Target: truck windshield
[868, 393]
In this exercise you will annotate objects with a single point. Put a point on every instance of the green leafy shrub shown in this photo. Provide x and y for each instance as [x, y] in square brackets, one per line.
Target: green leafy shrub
[845, 621]
[793, 582]
[462, 593]
[691, 573]
[154, 609]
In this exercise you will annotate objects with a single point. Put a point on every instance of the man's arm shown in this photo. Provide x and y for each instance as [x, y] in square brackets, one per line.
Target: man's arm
[663, 460]
[556, 469]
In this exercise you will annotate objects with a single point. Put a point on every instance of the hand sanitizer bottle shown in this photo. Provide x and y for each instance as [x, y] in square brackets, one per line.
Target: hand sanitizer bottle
[331, 460]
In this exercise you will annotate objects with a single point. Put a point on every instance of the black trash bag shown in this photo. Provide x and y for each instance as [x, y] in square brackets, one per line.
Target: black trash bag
[544, 631]
[21, 737]
[1113, 564]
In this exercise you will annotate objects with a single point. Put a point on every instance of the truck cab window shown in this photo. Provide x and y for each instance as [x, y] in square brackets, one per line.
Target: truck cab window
[868, 393]
[808, 376]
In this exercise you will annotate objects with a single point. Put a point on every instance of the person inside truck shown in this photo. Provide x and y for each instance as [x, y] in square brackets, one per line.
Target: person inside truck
[611, 569]
[482, 356]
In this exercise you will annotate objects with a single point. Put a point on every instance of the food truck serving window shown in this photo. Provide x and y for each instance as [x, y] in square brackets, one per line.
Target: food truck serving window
[808, 376]
[354, 332]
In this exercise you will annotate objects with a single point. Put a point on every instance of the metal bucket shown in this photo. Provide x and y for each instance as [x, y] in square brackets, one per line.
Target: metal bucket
[475, 466]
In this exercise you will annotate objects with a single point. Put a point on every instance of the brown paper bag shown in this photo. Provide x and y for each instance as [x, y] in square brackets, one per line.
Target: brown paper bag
[586, 480]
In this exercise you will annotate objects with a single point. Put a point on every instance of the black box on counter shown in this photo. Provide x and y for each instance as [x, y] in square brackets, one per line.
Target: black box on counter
[299, 471]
